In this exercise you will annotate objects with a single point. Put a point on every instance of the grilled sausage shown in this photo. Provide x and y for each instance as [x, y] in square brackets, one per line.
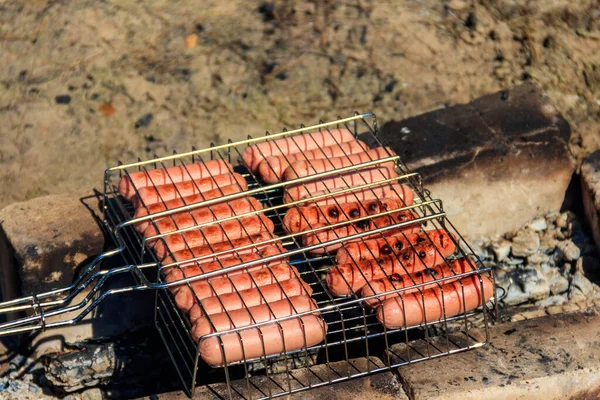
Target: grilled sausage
[396, 281]
[252, 315]
[157, 194]
[302, 168]
[346, 279]
[246, 280]
[232, 247]
[199, 216]
[395, 191]
[199, 267]
[172, 204]
[244, 298]
[178, 173]
[272, 167]
[253, 155]
[298, 219]
[216, 233]
[367, 175]
[323, 236]
[288, 335]
[434, 304]
[384, 246]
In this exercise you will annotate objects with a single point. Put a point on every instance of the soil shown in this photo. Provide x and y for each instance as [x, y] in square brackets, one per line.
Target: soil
[84, 84]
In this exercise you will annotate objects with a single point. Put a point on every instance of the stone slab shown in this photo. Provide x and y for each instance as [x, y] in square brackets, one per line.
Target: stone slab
[552, 357]
[44, 243]
[50, 237]
[590, 187]
[380, 386]
[496, 162]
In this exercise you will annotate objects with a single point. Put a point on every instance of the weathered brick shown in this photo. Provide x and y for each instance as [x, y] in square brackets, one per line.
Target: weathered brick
[49, 237]
[590, 186]
[378, 386]
[496, 162]
[552, 357]
[44, 242]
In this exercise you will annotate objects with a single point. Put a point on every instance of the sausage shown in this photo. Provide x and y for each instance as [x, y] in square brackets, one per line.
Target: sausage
[210, 249]
[252, 315]
[288, 335]
[395, 190]
[384, 246]
[272, 167]
[202, 266]
[396, 281]
[246, 280]
[175, 203]
[346, 279]
[244, 298]
[302, 168]
[435, 304]
[178, 173]
[200, 215]
[157, 194]
[254, 154]
[216, 233]
[337, 181]
[325, 235]
[298, 219]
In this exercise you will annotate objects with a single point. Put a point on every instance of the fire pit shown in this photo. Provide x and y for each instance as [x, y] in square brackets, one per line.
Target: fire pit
[543, 266]
[352, 329]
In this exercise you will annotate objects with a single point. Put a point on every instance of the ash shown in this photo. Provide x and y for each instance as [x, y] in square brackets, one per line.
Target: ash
[548, 264]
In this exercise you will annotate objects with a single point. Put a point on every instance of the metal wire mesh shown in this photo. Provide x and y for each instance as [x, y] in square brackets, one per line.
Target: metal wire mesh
[352, 328]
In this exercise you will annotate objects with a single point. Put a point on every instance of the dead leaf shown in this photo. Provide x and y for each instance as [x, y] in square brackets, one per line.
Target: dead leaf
[106, 109]
[191, 40]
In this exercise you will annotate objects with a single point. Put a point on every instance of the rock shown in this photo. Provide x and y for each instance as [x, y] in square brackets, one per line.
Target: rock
[563, 219]
[537, 259]
[476, 247]
[92, 394]
[501, 249]
[553, 301]
[559, 284]
[547, 242]
[569, 250]
[496, 162]
[527, 284]
[515, 261]
[538, 224]
[590, 187]
[581, 288]
[82, 369]
[525, 243]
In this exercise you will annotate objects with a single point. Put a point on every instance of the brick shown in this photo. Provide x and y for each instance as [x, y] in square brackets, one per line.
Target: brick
[590, 187]
[49, 237]
[44, 242]
[381, 386]
[552, 357]
[496, 162]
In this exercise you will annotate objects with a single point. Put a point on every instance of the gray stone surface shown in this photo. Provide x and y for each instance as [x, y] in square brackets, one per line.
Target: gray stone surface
[381, 386]
[590, 185]
[496, 162]
[553, 357]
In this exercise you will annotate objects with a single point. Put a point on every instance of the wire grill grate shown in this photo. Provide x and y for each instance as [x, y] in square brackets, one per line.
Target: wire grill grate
[352, 328]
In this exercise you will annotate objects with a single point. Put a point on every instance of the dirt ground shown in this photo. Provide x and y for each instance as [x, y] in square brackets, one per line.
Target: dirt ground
[84, 84]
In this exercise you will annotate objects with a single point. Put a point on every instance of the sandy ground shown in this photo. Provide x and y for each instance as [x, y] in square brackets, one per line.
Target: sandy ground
[84, 84]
